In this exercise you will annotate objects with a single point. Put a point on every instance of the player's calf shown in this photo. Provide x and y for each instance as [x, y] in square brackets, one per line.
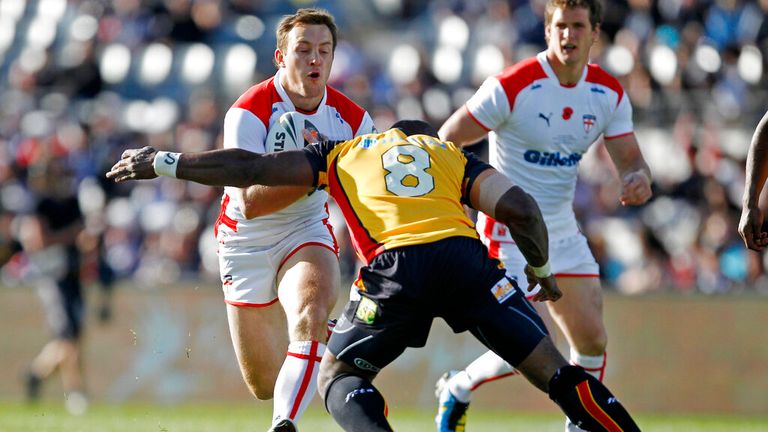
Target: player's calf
[587, 402]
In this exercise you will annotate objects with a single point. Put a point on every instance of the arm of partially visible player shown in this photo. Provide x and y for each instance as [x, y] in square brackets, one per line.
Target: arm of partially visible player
[461, 128]
[495, 195]
[224, 167]
[751, 222]
[633, 171]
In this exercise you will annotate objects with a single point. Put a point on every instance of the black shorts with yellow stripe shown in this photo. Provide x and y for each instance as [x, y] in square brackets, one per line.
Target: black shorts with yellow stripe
[407, 287]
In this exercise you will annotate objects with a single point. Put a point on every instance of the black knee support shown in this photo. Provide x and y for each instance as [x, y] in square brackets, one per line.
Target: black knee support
[356, 404]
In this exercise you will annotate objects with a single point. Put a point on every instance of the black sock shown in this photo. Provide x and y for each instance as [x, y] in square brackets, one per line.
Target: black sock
[587, 402]
[356, 405]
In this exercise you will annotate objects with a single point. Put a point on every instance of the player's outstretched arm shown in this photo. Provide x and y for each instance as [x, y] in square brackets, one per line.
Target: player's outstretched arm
[633, 171]
[224, 167]
[495, 195]
[751, 222]
[461, 129]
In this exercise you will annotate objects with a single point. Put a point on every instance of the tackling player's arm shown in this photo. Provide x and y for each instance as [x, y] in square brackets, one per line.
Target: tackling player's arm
[223, 167]
[752, 218]
[495, 195]
[461, 128]
[632, 169]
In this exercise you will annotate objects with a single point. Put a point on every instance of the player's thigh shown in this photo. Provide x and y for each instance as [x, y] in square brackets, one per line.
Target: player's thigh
[260, 339]
[369, 337]
[308, 287]
[579, 313]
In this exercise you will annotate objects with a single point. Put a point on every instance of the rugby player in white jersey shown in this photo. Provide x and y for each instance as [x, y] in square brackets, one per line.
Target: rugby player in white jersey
[541, 115]
[277, 254]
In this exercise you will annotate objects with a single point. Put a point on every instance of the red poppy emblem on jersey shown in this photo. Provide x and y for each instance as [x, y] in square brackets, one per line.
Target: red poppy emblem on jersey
[567, 113]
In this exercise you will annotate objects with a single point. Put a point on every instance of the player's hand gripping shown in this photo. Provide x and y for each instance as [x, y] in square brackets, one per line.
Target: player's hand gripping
[635, 188]
[134, 164]
[751, 229]
[549, 289]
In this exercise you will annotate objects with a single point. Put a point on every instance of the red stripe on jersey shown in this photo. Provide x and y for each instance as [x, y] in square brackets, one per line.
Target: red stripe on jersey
[594, 410]
[349, 111]
[520, 76]
[311, 364]
[223, 218]
[259, 100]
[364, 245]
[595, 74]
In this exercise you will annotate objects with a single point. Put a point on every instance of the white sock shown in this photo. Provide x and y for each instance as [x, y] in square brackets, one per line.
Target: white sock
[488, 367]
[297, 381]
[593, 365]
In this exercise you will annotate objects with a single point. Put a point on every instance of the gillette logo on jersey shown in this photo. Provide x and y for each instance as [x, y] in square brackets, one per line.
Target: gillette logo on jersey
[551, 159]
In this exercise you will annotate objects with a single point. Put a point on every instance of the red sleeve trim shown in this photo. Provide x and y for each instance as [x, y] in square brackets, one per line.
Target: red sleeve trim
[259, 100]
[479, 123]
[596, 75]
[520, 76]
[619, 135]
[351, 112]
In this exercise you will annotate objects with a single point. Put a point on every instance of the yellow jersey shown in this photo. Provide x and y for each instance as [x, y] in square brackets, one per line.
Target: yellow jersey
[396, 190]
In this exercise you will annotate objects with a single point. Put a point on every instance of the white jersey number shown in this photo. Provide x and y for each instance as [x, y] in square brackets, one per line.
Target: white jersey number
[407, 165]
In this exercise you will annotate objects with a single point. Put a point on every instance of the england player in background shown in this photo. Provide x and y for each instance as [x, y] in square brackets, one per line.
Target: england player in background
[278, 257]
[541, 115]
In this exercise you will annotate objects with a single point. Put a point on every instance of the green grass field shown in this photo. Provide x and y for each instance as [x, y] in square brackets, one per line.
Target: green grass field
[15, 417]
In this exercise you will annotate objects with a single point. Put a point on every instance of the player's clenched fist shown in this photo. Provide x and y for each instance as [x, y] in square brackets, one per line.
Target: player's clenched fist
[134, 164]
[636, 188]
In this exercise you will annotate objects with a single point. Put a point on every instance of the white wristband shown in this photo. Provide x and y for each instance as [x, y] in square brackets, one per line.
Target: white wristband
[165, 163]
[543, 271]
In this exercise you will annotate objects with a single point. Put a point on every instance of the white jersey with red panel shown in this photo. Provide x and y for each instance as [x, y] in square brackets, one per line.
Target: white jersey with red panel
[539, 130]
[246, 126]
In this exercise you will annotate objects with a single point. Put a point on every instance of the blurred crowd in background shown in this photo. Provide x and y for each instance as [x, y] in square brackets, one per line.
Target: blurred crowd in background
[83, 80]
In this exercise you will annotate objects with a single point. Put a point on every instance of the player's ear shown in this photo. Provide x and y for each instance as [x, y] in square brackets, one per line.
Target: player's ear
[279, 58]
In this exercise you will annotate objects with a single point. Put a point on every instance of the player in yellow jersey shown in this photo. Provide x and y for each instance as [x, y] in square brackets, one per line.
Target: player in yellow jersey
[401, 193]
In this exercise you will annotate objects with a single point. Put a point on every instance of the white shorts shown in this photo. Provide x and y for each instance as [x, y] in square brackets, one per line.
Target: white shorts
[249, 273]
[568, 257]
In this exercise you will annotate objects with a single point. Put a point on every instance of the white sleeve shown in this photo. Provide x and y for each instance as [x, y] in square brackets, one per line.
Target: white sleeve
[242, 129]
[621, 123]
[366, 126]
[489, 105]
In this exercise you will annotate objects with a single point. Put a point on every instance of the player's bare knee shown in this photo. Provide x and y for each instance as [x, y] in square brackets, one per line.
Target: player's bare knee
[592, 341]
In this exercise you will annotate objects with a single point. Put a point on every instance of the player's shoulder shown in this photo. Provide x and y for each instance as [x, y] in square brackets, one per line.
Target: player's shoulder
[520, 76]
[342, 103]
[599, 76]
[522, 73]
[259, 99]
[351, 112]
